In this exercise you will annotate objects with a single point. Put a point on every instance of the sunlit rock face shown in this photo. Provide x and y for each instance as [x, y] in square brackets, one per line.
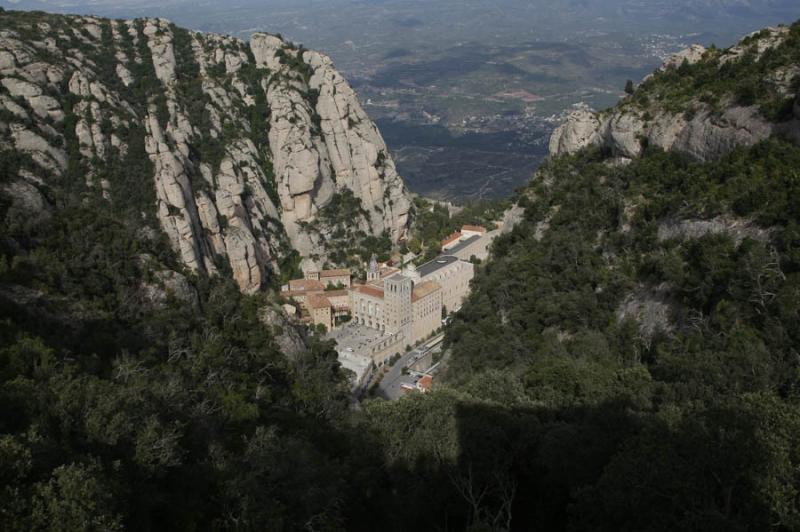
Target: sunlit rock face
[702, 131]
[245, 142]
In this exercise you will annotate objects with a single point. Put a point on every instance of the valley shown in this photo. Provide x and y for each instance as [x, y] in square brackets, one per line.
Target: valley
[467, 93]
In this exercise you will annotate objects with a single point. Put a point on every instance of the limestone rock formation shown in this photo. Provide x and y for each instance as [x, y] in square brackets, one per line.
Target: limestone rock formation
[323, 146]
[651, 308]
[241, 144]
[166, 284]
[737, 229]
[287, 335]
[690, 55]
[581, 129]
[695, 127]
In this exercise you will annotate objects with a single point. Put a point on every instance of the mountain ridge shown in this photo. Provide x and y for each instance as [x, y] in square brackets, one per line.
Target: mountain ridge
[247, 144]
[689, 105]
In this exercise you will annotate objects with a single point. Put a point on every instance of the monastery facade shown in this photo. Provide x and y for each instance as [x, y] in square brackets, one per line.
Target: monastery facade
[394, 308]
[402, 307]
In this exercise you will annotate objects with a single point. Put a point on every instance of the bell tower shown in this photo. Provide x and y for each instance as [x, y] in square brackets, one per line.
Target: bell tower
[397, 297]
[372, 273]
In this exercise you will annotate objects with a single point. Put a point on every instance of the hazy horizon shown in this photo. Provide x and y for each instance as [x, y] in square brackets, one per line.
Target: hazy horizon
[466, 92]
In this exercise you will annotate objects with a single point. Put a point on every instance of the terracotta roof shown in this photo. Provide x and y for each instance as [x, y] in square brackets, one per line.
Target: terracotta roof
[336, 293]
[476, 228]
[306, 285]
[425, 382]
[317, 301]
[423, 289]
[452, 238]
[335, 273]
[369, 290]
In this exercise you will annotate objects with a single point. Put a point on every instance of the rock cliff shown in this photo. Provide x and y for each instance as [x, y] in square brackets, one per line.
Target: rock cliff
[230, 148]
[701, 102]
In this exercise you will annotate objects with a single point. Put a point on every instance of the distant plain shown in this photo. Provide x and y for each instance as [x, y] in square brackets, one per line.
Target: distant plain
[467, 92]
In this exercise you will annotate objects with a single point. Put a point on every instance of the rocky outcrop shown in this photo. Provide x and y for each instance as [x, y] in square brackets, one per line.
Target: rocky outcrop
[710, 136]
[737, 229]
[164, 285]
[690, 55]
[25, 197]
[511, 218]
[325, 145]
[706, 136]
[698, 129]
[288, 335]
[757, 42]
[581, 129]
[651, 308]
[243, 144]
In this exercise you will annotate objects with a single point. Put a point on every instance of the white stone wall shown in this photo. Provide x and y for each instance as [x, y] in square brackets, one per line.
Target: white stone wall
[454, 279]
[427, 316]
[368, 310]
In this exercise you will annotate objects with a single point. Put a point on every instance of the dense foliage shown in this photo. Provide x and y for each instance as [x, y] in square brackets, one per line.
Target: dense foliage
[434, 221]
[118, 410]
[681, 419]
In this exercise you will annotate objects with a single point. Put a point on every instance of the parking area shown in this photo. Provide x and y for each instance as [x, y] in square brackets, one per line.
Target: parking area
[396, 381]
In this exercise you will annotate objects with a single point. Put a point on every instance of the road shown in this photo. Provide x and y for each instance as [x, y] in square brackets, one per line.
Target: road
[390, 387]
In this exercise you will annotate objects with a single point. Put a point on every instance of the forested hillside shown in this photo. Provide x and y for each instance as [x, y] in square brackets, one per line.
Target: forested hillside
[640, 331]
[140, 391]
[128, 405]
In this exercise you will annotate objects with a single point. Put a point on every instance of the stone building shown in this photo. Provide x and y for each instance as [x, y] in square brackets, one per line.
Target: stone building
[426, 310]
[471, 241]
[320, 309]
[330, 278]
[399, 306]
[451, 273]
[402, 307]
[366, 305]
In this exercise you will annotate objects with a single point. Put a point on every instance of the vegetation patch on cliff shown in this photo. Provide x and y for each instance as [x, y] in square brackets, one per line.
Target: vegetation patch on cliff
[745, 77]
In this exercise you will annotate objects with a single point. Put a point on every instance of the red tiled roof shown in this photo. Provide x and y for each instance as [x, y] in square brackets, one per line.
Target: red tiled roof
[316, 301]
[452, 238]
[476, 228]
[335, 273]
[336, 293]
[425, 382]
[423, 289]
[369, 290]
[305, 285]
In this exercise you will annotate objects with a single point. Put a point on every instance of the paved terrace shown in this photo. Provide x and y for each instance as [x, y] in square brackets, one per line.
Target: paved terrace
[354, 338]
